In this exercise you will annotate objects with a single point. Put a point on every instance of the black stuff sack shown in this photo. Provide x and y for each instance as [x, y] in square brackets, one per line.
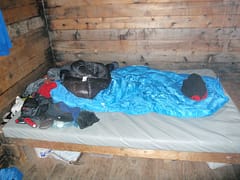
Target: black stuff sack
[85, 79]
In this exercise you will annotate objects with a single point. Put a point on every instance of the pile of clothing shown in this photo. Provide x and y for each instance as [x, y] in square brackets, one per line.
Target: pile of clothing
[84, 79]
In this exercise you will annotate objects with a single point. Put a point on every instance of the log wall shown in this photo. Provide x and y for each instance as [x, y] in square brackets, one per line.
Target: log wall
[29, 57]
[168, 34]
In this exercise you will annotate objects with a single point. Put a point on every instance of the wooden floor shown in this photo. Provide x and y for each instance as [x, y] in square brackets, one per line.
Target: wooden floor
[122, 168]
[92, 166]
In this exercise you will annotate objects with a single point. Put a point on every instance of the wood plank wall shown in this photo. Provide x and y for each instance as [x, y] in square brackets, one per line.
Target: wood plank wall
[28, 58]
[168, 34]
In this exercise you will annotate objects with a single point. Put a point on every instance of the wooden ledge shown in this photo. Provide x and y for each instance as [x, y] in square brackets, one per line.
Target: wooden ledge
[231, 158]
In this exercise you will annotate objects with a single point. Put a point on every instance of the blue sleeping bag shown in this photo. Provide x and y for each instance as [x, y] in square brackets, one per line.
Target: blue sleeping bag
[141, 89]
[5, 42]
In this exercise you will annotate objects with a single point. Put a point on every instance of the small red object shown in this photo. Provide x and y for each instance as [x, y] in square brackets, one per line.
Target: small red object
[198, 98]
[30, 122]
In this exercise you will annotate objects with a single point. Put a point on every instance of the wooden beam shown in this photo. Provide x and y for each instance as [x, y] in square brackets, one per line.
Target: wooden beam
[17, 14]
[196, 8]
[54, 3]
[227, 66]
[158, 58]
[13, 4]
[149, 46]
[25, 26]
[148, 34]
[213, 21]
[232, 158]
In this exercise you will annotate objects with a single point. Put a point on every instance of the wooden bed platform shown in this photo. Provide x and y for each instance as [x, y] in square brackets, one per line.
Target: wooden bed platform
[231, 158]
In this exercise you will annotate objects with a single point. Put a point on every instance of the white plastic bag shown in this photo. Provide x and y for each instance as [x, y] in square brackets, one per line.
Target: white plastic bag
[66, 156]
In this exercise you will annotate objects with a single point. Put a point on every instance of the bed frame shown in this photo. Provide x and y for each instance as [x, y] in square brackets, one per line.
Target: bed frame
[231, 158]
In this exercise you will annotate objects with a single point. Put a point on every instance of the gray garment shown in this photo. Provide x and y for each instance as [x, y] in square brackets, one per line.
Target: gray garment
[33, 87]
[54, 73]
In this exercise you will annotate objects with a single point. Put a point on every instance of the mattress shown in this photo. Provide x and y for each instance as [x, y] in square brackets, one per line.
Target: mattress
[218, 132]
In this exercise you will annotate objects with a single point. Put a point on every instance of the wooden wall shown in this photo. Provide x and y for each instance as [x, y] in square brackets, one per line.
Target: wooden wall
[29, 56]
[168, 34]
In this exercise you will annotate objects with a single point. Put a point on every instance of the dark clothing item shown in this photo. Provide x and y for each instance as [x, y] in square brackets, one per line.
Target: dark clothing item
[46, 123]
[61, 112]
[30, 108]
[112, 66]
[56, 113]
[86, 79]
[194, 87]
[73, 110]
[86, 119]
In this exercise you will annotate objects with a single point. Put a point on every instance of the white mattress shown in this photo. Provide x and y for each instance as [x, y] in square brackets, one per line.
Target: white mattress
[219, 132]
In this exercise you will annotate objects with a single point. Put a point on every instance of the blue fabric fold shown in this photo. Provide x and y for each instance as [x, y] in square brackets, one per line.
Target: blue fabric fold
[11, 173]
[5, 42]
[141, 89]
